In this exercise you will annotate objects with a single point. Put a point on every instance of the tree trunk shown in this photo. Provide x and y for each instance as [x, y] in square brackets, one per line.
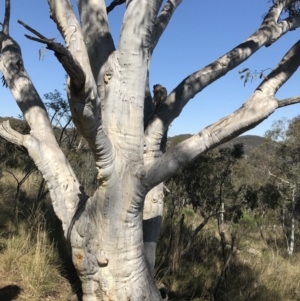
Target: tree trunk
[107, 244]
[292, 236]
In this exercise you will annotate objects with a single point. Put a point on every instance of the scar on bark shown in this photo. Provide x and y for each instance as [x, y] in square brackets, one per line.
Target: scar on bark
[79, 210]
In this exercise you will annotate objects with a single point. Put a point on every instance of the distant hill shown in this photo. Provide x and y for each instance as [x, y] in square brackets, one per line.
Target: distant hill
[250, 142]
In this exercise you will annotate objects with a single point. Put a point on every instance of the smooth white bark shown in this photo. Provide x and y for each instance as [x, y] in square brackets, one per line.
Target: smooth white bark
[257, 108]
[270, 30]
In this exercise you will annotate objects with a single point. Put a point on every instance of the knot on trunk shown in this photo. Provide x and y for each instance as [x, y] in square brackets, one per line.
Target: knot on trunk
[102, 259]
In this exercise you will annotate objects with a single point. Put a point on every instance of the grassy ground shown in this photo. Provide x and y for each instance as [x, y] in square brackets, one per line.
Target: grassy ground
[258, 270]
[32, 266]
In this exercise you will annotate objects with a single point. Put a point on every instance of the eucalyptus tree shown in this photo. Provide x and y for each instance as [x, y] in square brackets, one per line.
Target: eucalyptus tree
[113, 233]
[283, 165]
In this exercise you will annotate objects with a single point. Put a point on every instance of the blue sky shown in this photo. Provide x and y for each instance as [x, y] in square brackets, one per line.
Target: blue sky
[200, 32]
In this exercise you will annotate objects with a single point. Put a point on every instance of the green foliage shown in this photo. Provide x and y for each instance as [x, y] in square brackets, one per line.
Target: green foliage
[207, 182]
[252, 75]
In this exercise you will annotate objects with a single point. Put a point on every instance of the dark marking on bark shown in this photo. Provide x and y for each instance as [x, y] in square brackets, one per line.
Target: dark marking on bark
[110, 7]
[79, 210]
[159, 95]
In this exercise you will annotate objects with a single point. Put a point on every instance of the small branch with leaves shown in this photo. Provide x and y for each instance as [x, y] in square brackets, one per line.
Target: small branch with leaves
[247, 74]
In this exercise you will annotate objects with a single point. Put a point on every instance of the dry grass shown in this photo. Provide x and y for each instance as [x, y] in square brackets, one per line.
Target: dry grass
[29, 262]
[269, 275]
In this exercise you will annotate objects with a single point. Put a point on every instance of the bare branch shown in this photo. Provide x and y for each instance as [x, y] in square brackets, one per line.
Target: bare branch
[5, 24]
[113, 4]
[278, 178]
[257, 108]
[163, 20]
[10, 135]
[85, 106]
[138, 21]
[64, 187]
[129, 64]
[41, 143]
[64, 56]
[62, 13]
[285, 69]
[288, 101]
[269, 31]
[97, 36]
[32, 30]
[18, 81]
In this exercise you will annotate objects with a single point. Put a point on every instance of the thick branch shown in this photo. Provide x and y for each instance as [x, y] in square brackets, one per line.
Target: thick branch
[129, 64]
[138, 26]
[269, 31]
[96, 33]
[285, 69]
[84, 104]
[259, 106]
[5, 24]
[41, 143]
[163, 20]
[62, 13]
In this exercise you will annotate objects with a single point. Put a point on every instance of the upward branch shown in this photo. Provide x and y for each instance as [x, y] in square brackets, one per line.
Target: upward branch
[40, 143]
[270, 30]
[97, 36]
[85, 103]
[129, 64]
[258, 107]
[163, 20]
[6, 17]
[70, 64]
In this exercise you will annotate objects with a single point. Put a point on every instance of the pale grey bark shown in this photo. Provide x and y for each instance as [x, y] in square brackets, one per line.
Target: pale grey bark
[97, 36]
[257, 108]
[6, 18]
[292, 236]
[163, 20]
[40, 143]
[114, 233]
[289, 101]
[270, 30]
[85, 103]
[291, 240]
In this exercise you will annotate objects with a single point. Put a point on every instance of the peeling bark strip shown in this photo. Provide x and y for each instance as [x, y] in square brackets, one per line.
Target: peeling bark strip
[114, 233]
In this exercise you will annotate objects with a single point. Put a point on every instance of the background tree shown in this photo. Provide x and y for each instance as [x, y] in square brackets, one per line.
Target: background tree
[114, 232]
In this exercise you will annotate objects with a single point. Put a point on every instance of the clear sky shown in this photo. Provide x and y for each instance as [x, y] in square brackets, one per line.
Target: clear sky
[200, 32]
